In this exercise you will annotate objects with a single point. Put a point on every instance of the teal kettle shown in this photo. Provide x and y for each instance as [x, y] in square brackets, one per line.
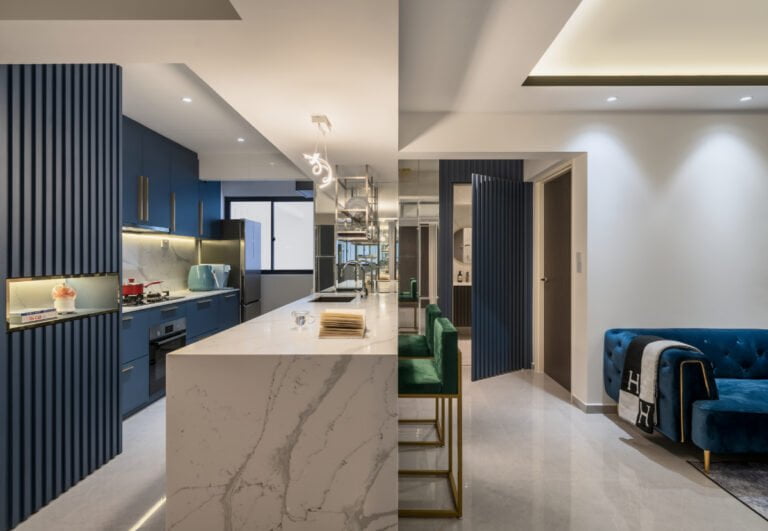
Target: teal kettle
[201, 278]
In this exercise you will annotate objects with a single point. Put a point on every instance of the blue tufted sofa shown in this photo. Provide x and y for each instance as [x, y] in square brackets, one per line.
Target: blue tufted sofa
[717, 399]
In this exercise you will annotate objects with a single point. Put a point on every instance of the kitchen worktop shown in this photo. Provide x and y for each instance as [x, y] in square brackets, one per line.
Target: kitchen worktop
[273, 332]
[270, 427]
[186, 295]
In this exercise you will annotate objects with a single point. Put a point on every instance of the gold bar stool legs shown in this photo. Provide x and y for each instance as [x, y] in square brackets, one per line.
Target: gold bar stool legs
[438, 422]
[453, 474]
[707, 460]
[438, 378]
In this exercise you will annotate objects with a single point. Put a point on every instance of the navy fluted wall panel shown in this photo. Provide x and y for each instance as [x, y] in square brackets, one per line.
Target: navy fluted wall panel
[502, 224]
[502, 258]
[60, 148]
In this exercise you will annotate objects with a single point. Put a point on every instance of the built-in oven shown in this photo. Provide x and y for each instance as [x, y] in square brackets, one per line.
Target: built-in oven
[163, 339]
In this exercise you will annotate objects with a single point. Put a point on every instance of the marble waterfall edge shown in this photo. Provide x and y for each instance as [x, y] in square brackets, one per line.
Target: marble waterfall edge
[300, 442]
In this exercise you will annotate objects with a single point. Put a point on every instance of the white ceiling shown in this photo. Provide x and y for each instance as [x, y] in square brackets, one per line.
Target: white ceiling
[459, 56]
[152, 95]
[284, 61]
[361, 62]
[661, 37]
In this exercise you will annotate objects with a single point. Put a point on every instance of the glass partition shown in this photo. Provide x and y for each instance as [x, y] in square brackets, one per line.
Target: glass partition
[417, 240]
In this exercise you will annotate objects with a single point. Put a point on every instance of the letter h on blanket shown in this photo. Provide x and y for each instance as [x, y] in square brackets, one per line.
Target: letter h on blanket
[637, 397]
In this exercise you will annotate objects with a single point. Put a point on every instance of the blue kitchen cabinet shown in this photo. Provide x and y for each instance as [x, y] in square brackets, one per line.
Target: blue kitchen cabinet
[184, 192]
[229, 310]
[134, 336]
[169, 312]
[134, 385]
[210, 209]
[132, 172]
[161, 186]
[203, 317]
[156, 153]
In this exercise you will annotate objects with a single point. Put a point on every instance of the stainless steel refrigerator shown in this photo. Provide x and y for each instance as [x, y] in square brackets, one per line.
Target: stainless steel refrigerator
[240, 247]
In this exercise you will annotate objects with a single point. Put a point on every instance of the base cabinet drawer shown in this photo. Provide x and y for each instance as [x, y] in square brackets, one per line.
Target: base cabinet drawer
[229, 310]
[134, 337]
[202, 317]
[170, 312]
[134, 385]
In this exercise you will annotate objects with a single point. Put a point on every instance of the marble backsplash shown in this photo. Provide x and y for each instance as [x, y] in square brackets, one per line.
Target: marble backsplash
[148, 257]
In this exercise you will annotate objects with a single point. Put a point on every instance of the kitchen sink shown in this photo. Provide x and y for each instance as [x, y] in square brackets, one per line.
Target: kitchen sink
[333, 298]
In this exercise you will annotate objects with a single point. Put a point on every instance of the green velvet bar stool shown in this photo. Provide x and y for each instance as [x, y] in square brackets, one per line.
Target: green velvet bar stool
[422, 346]
[412, 295]
[410, 299]
[438, 377]
[417, 345]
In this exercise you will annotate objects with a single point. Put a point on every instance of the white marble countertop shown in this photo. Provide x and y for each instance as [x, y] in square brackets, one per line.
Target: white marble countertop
[273, 332]
[186, 295]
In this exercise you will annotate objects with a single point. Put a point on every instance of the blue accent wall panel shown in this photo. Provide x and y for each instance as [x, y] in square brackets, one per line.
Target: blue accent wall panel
[502, 255]
[5, 391]
[502, 269]
[60, 149]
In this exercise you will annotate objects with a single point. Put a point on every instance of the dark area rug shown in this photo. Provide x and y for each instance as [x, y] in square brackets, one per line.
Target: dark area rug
[745, 481]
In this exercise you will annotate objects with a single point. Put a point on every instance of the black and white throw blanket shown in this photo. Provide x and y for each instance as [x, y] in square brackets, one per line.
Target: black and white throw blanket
[637, 397]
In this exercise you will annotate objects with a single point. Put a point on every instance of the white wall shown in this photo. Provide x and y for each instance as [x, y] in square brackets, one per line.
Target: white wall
[676, 213]
[279, 290]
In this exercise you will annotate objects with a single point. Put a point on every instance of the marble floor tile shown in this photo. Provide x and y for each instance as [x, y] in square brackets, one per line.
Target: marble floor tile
[532, 462]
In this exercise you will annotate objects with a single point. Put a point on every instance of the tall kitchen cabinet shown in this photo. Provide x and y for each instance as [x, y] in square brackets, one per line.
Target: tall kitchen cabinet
[60, 201]
[161, 186]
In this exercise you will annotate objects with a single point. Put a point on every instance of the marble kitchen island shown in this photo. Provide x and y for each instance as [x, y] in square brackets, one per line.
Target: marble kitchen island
[270, 427]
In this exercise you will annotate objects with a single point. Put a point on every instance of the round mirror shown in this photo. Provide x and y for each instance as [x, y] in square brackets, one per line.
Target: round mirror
[462, 245]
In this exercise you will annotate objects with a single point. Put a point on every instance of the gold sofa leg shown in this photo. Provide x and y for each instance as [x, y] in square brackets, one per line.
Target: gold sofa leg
[707, 457]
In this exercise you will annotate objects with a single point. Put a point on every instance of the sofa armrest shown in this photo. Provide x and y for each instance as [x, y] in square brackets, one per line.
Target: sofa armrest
[674, 411]
[684, 377]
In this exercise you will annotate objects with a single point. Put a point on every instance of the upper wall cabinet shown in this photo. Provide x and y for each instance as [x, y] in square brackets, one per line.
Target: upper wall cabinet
[133, 183]
[156, 154]
[210, 209]
[161, 189]
[184, 192]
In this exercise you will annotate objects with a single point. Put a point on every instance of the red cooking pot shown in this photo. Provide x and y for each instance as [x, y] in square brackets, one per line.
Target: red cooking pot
[133, 288]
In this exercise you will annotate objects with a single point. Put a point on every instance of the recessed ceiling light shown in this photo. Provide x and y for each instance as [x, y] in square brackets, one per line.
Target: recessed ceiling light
[745, 98]
[611, 99]
[271, 163]
[240, 139]
[186, 99]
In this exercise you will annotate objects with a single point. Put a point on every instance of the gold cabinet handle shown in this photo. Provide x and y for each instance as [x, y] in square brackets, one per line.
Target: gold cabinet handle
[200, 217]
[140, 195]
[173, 211]
[146, 198]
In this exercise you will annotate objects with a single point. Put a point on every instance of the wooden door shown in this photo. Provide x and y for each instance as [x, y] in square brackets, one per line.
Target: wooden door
[557, 279]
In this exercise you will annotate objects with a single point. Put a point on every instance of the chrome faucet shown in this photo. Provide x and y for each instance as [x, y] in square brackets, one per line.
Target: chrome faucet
[359, 266]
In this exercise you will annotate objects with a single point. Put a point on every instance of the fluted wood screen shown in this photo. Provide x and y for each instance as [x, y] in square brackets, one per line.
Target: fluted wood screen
[60, 146]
